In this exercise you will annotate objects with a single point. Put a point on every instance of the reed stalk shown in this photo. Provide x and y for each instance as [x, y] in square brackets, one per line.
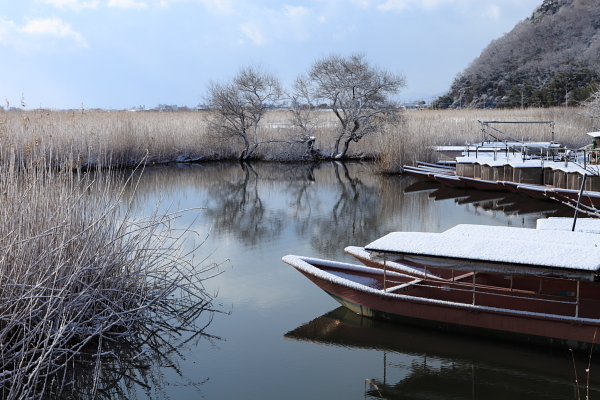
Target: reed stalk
[79, 273]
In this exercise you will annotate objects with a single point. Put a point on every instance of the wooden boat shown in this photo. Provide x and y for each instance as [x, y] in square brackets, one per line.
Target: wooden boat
[438, 166]
[427, 172]
[510, 186]
[450, 180]
[538, 286]
[535, 191]
[482, 184]
[420, 174]
[588, 198]
[435, 170]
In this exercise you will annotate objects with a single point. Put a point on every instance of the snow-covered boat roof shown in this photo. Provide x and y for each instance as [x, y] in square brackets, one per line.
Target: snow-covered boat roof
[559, 236]
[594, 134]
[553, 224]
[518, 162]
[493, 249]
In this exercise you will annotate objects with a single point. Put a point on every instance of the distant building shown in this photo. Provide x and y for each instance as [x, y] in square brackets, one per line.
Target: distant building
[167, 107]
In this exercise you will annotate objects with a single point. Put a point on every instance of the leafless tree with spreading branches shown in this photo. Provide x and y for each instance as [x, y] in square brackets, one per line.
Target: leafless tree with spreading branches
[239, 106]
[358, 93]
[591, 108]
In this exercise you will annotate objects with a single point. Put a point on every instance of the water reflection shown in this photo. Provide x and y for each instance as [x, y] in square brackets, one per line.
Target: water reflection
[329, 205]
[505, 202]
[426, 364]
[256, 213]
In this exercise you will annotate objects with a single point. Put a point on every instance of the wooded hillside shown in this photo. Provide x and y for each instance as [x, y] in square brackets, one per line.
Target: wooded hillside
[551, 58]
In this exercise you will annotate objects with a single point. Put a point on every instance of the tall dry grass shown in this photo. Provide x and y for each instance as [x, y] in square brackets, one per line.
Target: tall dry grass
[123, 138]
[79, 274]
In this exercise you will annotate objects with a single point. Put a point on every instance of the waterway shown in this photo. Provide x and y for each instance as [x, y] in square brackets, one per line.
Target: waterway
[277, 336]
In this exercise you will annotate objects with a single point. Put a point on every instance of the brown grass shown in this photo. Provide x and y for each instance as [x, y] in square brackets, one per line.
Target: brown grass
[122, 138]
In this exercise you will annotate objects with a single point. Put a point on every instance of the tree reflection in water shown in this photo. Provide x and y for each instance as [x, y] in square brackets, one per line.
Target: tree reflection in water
[262, 211]
[329, 205]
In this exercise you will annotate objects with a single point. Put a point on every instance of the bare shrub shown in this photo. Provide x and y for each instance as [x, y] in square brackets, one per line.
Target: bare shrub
[79, 272]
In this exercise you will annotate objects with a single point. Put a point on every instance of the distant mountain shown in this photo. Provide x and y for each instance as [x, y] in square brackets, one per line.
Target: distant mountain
[551, 58]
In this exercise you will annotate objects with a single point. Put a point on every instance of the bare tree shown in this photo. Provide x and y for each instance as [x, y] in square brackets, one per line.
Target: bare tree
[591, 108]
[239, 105]
[357, 92]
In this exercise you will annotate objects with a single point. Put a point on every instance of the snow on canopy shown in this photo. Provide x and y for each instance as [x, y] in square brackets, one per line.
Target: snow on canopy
[532, 235]
[530, 250]
[588, 225]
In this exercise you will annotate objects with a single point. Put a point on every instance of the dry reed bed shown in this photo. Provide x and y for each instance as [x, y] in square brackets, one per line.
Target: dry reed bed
[79, 273]
[125, 138]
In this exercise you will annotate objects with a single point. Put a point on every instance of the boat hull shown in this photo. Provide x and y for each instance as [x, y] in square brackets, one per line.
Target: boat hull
[482, 184]
[425, 176]
[494, 321]
[548, 338]
[450, 180]
[553, 333]
[535, 191]
[590, 199]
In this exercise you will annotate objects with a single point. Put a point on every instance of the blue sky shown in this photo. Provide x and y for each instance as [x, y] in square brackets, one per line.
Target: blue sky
[124, 53]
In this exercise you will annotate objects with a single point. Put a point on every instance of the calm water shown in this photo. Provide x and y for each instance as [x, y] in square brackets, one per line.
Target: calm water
[280, 337]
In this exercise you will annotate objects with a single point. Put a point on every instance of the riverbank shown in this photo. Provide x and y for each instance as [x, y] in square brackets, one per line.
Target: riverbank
[96, 138]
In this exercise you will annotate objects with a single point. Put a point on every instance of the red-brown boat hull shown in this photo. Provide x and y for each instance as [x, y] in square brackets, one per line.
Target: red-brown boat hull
[482, 184]
[450, 180]
[467, 319]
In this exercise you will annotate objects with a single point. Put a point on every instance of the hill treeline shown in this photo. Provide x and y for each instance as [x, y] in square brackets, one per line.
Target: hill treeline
[551, 58]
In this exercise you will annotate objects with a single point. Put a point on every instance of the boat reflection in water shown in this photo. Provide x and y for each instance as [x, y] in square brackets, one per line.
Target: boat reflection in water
[488, 200]
[427, 364]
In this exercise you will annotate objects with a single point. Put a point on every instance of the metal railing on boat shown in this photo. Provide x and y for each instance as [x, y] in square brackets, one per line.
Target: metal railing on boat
[458, 281]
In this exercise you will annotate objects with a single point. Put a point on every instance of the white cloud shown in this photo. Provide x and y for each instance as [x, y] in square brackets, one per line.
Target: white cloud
[127, 4]
[253, 32]
[222, 6]
[398, 5]
[41, 34]
[73, 4]
[393, 5]
[492, 11]
[296, 11]
[362, 3]
[7, 30]
[483, 8]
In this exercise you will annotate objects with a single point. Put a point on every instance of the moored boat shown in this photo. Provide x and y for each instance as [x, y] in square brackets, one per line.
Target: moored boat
[420, 174]
[482, 184]
[537, 286]
[535, 191]
[570, 196]
[450, 180]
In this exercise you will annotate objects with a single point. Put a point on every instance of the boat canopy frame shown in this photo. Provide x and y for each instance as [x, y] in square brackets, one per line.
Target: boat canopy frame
[486, 124]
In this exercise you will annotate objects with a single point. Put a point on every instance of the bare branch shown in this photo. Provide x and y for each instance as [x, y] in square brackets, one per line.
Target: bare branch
[354, 90]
